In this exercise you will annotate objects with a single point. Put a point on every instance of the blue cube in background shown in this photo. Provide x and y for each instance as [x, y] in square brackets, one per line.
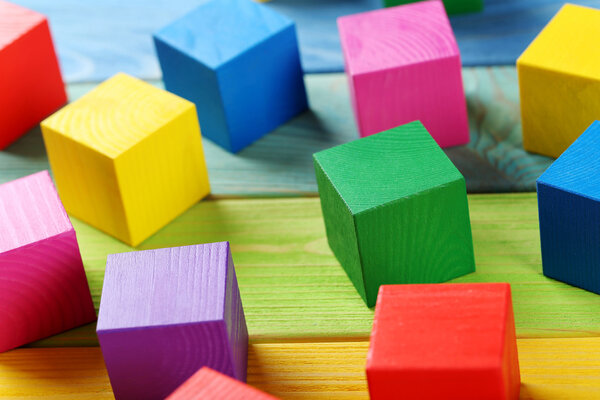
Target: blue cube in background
[238, 61]
[569, 211]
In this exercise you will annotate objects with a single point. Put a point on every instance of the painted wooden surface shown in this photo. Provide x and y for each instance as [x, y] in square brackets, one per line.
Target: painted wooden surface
[127, 157]
[551, 369]
[386, 200]
[569, 209]
[252, 41]
[43, 290]
[296, 273]
[460, 336]
[452, 6]
[281, 162]
[30, 90]
[166, 313]
[559, 78]
[496, 36]
[403, 65]
[209, 384]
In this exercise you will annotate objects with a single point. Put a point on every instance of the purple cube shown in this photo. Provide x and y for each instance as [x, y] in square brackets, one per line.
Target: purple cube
[166, 313]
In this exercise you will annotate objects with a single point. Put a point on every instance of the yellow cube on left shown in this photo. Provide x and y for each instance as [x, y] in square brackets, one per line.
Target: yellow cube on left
[127, 157]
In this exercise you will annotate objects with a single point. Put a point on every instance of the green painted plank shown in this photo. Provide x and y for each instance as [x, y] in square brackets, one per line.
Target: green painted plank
[293, 289]
[281, 162]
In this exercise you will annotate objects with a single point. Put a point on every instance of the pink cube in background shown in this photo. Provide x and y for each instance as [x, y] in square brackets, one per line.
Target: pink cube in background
[43, 287]
[403, 64]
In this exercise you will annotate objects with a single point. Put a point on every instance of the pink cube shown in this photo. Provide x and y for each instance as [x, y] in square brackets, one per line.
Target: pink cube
[403, 64]
[43, 287]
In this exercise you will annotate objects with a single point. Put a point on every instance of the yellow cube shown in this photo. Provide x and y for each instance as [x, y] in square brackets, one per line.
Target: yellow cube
[127, 157]
[559, 79]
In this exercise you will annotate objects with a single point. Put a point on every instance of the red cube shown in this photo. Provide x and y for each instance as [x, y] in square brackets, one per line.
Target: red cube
[208, 384]
[31, 86]
[446, 341]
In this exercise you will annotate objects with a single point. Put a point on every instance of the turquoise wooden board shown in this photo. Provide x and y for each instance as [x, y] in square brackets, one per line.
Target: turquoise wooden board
[86, 32]
[281, 162]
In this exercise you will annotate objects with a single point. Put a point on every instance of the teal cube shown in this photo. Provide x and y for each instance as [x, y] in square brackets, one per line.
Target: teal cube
[395, 210]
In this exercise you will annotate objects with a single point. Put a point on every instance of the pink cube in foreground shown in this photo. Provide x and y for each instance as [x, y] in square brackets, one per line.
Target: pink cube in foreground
[43, 288]
[403, 64]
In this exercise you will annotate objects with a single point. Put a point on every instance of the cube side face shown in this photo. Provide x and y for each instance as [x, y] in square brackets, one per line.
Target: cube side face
[440, 341]
[555, 108]
[87, 183]
[569, 234]
[30, 211]
[430, 92]
[43, 291]
[162, 176]
[274, 95]
[452, 6]
[151, 362]
[424, 238]
[187, 77]
[511, 375]
[237, 332]
[31, 90]
[340, 228]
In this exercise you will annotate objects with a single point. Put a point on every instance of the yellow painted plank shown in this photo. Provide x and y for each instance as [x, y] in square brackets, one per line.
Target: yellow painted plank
[551, 369]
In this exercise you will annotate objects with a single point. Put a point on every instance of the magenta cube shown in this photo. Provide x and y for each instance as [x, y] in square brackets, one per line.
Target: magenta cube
[43, 288]
[166, 313]
[403, 65]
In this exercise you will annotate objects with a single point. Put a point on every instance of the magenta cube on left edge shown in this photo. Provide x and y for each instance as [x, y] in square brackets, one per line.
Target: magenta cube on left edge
[403, 65]
[43, 287]
[166, 313]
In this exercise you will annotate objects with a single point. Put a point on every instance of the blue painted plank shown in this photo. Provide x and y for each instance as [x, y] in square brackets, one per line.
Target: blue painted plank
[98, 38]
[281, 162]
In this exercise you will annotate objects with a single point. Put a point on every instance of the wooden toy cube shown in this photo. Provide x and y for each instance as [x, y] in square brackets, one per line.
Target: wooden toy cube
[31, 87]
[166, 313]
[43, 288]
[127, 157]
[403, 65]
[395, 210]
[569, 211]
[452, 6]
[452, 341]
[208, 384]
[559, 80]
[239, 62]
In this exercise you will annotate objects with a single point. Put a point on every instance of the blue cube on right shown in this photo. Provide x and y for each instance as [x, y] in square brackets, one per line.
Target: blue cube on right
[569, 212]
[239, 62]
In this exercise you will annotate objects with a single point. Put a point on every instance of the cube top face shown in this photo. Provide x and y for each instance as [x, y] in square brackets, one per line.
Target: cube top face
[171, 286]
[398, 36]
[385, 167]
[411, 320]
[16, 21]
[568, 44]
[30, 211]
[208, 384]
[117, 114]
[576, 170]
[219, 30]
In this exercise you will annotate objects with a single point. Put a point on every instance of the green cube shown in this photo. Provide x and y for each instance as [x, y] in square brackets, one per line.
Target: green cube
[395, 210]
[452, 6]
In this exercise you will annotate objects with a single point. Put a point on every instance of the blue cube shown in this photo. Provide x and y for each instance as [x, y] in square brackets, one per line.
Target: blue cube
[238, 61]
[569, 211]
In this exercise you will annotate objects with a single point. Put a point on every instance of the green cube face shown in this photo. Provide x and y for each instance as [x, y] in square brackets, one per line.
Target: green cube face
[452, 6]
[395, 210]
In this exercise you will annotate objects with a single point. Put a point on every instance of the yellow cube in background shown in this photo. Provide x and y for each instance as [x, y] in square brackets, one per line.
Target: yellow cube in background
[127, 157]
[559, 79]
